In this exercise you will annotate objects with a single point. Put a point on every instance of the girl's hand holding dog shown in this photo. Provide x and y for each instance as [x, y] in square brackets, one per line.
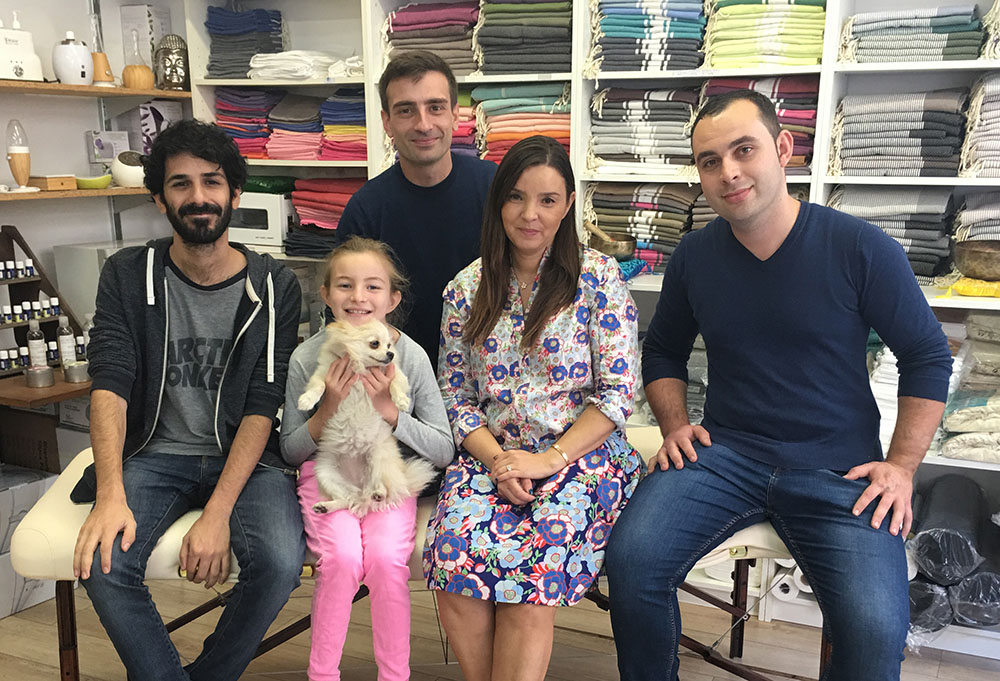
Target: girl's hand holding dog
[339, 380]
[376, 382]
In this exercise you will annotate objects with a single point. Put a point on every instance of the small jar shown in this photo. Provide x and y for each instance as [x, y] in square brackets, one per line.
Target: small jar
[18, 314]
[46, 308]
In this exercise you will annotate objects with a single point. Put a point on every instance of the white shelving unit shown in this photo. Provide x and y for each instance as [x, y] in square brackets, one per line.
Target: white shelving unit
[359, 24]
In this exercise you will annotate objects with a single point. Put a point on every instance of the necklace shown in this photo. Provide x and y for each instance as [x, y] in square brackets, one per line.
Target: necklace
[520, 283]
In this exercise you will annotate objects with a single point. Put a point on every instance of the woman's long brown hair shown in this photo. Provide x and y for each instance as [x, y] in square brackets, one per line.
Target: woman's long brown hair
[560, 274]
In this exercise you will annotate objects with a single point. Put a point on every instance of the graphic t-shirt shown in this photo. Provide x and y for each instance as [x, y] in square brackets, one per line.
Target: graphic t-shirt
[199, 338]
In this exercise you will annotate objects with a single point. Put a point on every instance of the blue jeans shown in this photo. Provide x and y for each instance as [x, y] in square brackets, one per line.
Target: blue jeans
[266, 536]
[858, 573]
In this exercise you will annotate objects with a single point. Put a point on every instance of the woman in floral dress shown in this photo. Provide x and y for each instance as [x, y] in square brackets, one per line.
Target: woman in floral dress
[537, 369]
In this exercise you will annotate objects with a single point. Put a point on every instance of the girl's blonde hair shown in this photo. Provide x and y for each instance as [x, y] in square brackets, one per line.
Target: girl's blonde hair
[398, 281]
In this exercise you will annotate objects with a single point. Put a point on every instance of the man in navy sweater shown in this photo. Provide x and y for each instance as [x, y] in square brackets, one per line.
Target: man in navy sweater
[429, 206]
[784, 294]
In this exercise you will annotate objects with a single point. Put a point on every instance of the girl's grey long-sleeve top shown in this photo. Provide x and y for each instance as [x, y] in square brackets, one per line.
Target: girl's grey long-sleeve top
[424, 428]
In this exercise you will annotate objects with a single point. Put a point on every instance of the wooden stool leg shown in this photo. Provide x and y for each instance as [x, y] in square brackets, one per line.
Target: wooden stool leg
[825, 653]
[741, 581]
[69, 661]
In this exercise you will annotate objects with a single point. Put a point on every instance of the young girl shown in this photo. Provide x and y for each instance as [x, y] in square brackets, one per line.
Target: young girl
[361, 283]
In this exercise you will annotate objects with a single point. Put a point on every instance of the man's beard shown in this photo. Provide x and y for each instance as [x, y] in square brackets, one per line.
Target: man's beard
[201, 232]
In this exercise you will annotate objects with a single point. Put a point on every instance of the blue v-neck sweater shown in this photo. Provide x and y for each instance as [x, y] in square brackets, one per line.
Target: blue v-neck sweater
[786, 337]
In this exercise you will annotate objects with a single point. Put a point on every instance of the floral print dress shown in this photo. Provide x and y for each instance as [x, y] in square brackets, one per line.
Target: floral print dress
[549, 551]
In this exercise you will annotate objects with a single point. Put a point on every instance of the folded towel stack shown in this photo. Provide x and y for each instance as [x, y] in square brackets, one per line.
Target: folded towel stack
[701, 213]
[642, 130]
[918, 219]
[296, 128]
[981, 149]
[524, 36]
[444, 28]
[303, 65]
[933, 34]
[795, 100]
[636, 35]
[657, 215]
[505, 115]
[979, 217]
[242, 113]
[745, 33]
[321, 201]
[463, 140]
[343, 117]
[899, 134]
[235, 37]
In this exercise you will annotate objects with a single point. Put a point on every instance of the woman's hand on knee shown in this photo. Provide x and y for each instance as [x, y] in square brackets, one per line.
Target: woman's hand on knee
[678, 445]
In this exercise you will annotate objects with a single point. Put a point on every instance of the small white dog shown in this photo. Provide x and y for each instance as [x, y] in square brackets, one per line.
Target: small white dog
[358, 462]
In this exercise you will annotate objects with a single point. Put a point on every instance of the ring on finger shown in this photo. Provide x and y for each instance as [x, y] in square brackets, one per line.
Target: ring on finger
[508, 468]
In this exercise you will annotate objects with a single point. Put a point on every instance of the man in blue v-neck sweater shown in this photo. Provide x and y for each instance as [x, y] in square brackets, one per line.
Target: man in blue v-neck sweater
[784, 293]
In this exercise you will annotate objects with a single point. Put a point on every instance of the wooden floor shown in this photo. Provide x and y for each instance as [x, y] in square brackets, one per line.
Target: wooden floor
[583, 648]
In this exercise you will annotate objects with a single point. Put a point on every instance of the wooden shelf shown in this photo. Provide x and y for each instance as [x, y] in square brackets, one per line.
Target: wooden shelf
[28, 87]
[914, 181]
[14, 392]
[18, 280]
[75, 193]
[513, 78]
[918, 66]
[42, 320]
[934, 460]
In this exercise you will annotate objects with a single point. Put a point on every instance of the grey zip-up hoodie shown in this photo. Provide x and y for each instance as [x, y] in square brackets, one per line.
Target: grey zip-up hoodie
[127, 350]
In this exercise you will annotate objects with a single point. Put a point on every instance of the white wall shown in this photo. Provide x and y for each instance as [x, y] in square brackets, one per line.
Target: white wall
[55, 125]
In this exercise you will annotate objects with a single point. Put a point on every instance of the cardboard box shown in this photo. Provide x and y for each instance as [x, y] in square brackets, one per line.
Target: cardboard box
[143, 123]
[20, 488]
[104, 145]
[18, 593]
[52, 182]
[70, 442]
[29, 439]
[150, 23]
[75, 413]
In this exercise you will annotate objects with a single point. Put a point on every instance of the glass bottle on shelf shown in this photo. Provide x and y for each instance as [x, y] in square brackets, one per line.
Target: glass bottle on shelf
[36, 345]
[67, 342]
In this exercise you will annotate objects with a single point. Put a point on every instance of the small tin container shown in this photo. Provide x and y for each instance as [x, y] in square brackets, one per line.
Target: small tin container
[76, 372]
[39, 377]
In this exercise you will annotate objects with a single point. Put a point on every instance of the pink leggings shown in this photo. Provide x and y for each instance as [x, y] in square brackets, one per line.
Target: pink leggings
[375, 550]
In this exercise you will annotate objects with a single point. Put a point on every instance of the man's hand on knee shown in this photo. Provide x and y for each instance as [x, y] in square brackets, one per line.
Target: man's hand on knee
[106, 521]
[678, 445]
[205, 550]
[894, 484]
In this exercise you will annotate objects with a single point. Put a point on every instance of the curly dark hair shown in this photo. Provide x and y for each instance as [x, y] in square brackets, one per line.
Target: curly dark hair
[204, 140]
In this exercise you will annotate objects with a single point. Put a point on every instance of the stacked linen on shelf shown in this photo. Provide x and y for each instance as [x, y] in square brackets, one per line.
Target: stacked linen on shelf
[303, 65]
[242, 114]
[918, 219]
[508, 114]
[524, 36]
[935, 34]
[343, 118]
[745, 33]
[981, 150]
[795, 100]
[296, 128]
[321, 201]
[235, 37]
[642, 131]
[633, 35]
[899, 134]
[463, 140]
[978, 219]
[701, 212]
[657, 215]
[972, 414]
[444, 28]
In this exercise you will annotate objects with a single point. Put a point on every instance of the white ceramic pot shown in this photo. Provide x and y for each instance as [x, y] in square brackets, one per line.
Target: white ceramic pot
[72, 62]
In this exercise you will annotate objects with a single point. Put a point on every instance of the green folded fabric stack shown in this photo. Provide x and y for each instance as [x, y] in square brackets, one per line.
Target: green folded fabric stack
[527, 36]
[754, 33]
[937, 34]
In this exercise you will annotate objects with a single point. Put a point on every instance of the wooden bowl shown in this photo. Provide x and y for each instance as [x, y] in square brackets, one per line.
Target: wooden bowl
[619, 248]
[978, 259]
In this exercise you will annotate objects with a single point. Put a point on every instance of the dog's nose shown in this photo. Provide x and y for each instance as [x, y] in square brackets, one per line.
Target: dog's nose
[389, 356]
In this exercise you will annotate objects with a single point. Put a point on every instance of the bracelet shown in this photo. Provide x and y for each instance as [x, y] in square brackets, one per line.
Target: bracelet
[561, 452]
